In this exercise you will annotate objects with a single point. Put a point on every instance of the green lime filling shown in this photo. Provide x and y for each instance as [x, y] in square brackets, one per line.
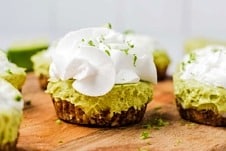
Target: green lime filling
[10, 121]
[193, 94]
[16, 76]
[17, 80]
[41, 63]
[120, 98]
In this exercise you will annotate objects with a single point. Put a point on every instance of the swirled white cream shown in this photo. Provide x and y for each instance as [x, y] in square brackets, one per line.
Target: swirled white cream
[99, 58]
[10, 97]
[143, 42]
[207, 65]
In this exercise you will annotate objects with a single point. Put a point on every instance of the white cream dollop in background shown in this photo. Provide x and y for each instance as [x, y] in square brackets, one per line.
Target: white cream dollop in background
[208, 65]
[143, 42]
[99, 58]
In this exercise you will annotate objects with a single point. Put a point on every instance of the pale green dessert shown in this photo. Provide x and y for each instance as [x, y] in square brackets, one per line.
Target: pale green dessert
[162, 61]
[121, 100]
[41, 62]
[10, 72]
[97, 79]
[20, 53]
[199, 86]
[197, 43]
[11, 105]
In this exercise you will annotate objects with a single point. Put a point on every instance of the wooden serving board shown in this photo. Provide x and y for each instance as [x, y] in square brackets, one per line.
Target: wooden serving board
[40, 131]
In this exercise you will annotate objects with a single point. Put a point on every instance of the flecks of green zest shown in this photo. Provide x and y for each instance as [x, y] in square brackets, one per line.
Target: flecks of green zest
[134, 59]
[90, 42]
[18, 98]
[108, 52]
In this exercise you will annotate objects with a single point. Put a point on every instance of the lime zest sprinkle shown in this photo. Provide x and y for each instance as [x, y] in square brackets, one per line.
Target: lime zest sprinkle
[215, 50]
[134, 59]
[109, 25]
[192, 56]
[157, 108]
[126, 51]
[9, 71]
[156, 123]
[144, 135]
[130, 45]
[90, 42]
[126, 32]
[18, 98]
[108, 52]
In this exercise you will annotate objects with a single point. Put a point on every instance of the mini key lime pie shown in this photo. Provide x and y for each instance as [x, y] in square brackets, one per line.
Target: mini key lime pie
[41, 62]
[10, 72]
[11, 105]
[96, 79]
[200, 42]
[160, 55]
[20, 52]
[200, 86]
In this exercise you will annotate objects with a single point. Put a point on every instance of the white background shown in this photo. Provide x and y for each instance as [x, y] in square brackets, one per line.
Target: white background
[169, 21]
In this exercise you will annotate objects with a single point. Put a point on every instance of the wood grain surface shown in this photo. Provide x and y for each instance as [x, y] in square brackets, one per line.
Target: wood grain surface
[41, 131]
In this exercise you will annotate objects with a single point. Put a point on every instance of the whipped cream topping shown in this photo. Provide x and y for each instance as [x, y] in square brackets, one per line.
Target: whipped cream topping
[143, 42]
[99, 58]
[10, 97]
[207, 65]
